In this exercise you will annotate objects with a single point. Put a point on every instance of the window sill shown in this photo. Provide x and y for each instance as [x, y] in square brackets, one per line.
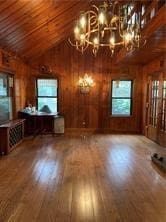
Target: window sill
[121, 116]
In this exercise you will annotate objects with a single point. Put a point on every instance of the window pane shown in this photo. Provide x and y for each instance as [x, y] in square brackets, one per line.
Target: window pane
[121, 106]
[50, 102]
[121, 89]
[154, 103]
[5, 107]
[47, 87]
[3, 85]
[164, 89]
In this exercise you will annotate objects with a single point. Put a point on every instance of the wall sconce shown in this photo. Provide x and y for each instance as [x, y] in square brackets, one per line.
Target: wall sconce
[85, 83]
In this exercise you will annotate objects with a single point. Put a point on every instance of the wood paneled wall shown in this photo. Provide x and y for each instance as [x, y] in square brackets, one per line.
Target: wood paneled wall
[22, 75]
[90, 111]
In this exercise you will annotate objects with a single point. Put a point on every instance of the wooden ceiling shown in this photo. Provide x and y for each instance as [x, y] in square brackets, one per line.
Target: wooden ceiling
[29, 27]
[155, 47]
[154, 33]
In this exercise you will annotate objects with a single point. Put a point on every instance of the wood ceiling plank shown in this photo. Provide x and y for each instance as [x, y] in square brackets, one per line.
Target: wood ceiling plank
[154, 25]
[55, 15]
[42, 47]
[57, 31]
[155, 47]
[5, 4]
[55, 39]
[43, 34]
[9, 13]
[7, 43]
[39, 21]
[20, 19]
[16, 31]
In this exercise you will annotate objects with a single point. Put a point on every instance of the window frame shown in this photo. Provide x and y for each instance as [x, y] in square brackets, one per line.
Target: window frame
[131, 99]
[10, 93]
[37, 96]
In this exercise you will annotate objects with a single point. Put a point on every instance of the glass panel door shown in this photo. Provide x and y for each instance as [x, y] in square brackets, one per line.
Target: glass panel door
[156, 124]
[163, 108]
[154, 103]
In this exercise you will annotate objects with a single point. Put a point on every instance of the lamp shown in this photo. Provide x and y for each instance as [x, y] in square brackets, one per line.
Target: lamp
[110, 24]
[85, 83]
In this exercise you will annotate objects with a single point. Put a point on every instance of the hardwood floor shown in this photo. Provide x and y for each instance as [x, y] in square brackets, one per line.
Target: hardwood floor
[83, 178]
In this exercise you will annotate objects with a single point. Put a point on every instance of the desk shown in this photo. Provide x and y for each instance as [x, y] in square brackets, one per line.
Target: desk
[38, 122]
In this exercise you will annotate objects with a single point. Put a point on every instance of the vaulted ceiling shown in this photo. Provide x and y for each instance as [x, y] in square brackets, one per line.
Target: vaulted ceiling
[30, 27]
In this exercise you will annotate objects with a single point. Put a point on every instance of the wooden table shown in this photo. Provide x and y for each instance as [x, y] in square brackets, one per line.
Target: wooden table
[38, 122]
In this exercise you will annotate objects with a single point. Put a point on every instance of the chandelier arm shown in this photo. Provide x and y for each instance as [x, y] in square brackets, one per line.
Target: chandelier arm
[120, 32]
[97, 30]
[93, 15]
[94, 6]
[142, 45]
[71, 42]
[75, 45]
[105, 44]
[82, 49]
[95, 27]
[91, 12]
[89, 24]
[93, 22]
[92, 18]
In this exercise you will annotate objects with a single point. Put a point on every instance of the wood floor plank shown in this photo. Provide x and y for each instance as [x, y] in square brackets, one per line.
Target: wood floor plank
[92, 178]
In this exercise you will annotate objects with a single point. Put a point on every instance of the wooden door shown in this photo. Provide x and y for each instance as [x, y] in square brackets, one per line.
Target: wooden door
[156, 109]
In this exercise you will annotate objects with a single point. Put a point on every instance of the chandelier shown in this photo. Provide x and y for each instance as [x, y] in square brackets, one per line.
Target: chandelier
[111, 24]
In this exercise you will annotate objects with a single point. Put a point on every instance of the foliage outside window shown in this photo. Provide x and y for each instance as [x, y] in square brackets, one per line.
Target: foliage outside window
[121, 101]
[47, 94]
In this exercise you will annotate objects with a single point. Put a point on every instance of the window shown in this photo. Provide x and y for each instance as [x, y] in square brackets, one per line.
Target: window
[6, 99]
[47, 94]
[154, 103]
[163, 107]
[121, 98]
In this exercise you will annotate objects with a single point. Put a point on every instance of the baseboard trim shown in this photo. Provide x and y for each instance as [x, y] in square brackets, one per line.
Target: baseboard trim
[99, 130]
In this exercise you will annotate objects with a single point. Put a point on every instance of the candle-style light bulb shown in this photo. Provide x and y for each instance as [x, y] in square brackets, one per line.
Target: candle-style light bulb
[101, 18]
[83, 21]
[112, 40]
